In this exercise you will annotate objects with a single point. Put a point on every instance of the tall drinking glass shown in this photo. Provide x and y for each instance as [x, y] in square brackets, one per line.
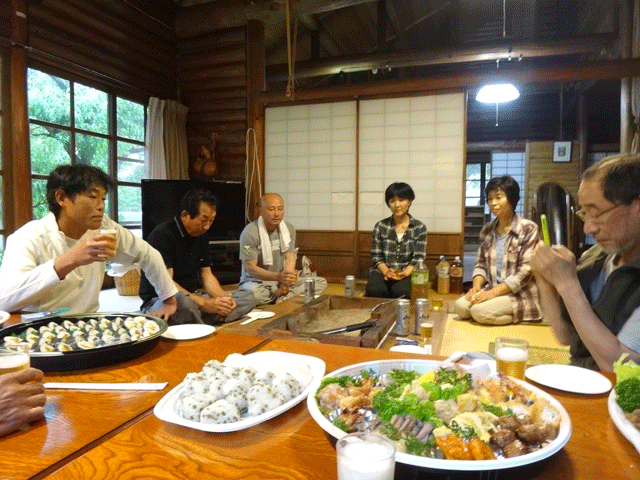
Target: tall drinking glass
[511, 356]
[13, 360]
[365, 456]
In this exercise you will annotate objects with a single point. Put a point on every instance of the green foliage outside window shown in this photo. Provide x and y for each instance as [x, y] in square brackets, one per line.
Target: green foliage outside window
[59, 138]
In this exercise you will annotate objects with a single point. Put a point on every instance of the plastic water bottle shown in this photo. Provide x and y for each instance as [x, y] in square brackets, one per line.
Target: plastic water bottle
[457, 272]
[443, 276]
[419, 282]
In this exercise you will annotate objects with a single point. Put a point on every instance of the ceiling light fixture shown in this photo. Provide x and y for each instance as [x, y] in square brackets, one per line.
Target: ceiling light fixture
[497, 93]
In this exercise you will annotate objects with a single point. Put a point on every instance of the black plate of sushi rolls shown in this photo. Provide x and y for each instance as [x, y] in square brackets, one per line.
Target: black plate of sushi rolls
[79, 342]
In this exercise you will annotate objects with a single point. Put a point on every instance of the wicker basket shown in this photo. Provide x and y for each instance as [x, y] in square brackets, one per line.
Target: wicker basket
[129, 283]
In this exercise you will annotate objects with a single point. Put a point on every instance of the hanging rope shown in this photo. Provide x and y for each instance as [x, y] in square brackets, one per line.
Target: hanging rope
[291, 52]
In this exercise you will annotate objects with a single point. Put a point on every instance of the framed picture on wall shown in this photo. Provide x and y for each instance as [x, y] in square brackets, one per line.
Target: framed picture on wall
[562, 151]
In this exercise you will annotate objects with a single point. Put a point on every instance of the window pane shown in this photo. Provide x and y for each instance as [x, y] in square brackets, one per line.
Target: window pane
[129, 205]
[49, 148]
[93, 150]
[39, 198]
[130, 162]
[49, 98]
[91, 109]
[473, 171]
[130, 119]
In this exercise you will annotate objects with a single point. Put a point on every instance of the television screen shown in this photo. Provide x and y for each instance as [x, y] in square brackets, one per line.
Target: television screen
[161, 201]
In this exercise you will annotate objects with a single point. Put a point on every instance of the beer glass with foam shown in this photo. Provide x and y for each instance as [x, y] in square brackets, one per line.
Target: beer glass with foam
[511, 356]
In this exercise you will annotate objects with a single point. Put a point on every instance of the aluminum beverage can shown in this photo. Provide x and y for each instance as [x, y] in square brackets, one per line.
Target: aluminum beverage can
[422, 312]
[309, 290]
[349, 286]
[404, 325]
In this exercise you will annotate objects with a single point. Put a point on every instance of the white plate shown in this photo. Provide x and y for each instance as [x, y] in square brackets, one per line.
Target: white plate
[4, 316]
[188, 331]
[423, 366]
[569, 378]
[165, 408]
[626, 428]
[426, 350]
[257, 314]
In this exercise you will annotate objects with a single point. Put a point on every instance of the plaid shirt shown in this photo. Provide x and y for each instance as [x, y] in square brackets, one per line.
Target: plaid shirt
[516, 271]
[394, 253]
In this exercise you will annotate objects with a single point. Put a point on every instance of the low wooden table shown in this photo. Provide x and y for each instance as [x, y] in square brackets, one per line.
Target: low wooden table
[293, 447]
[76, 420]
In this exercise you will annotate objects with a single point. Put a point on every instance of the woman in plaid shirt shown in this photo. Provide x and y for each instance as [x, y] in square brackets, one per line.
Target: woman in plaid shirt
[503, 290]
[398, 243]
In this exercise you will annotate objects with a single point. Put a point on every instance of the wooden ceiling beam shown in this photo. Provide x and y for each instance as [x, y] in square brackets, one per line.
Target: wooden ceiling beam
[414, 58]
[561, 72]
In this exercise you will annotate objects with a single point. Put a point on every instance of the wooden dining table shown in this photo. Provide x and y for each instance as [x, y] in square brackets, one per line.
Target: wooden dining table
[107, 435]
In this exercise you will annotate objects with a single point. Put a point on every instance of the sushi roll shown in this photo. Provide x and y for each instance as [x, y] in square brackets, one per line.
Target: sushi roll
[64, 347]
[150, 327]
[221, 411]
[12, 340]
[32, 338]
[81, 323]
[63, 335]
[124, 337]
[117, 323]
[129, 323]
[44, 328]
[53, 326]
[104, 324]
[31, 331]
[68, 324]
[46, 348]
[93, 322]
[85, 344]
[139, 321]
[47, 336]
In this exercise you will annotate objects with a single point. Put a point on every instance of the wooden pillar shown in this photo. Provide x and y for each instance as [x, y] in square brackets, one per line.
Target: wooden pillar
[583, 140]
[20, 164]
[627, 128]
[255, 113]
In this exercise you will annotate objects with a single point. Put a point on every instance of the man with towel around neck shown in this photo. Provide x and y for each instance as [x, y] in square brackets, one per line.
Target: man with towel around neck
[268, 254]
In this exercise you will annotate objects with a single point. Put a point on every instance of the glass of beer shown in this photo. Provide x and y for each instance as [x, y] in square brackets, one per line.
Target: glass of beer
[511, 356]
[113, 232]
[365, 455]
[13, 360]
[426, 332]
[436, 304]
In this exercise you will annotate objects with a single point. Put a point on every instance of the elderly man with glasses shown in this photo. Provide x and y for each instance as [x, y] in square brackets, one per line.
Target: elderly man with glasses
[595, 306]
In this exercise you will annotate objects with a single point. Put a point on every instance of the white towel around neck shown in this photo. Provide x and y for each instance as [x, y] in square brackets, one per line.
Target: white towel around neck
[265, 241]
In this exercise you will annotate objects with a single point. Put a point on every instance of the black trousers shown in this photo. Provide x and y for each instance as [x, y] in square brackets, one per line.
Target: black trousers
[377, 286]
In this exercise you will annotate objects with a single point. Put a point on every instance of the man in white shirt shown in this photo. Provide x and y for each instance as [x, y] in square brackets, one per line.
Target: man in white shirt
[268, 254]
[59, 261]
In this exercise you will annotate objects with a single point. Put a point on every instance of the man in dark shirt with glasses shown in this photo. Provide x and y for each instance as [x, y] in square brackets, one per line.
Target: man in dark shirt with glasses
[595, 306]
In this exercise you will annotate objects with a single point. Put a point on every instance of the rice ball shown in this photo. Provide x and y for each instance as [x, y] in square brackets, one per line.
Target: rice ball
[211, 367]
[220, 411]
[190, 406]
[287, 385]
[195, 383]
[263, 398]
[247, 375]
[263, 377]
[302, 373]
[215, 387]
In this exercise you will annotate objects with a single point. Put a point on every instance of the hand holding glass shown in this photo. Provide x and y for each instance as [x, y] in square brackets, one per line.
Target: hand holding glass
[113, 234]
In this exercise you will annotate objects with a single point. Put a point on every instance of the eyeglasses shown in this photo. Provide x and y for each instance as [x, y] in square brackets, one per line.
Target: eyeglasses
[585, 217]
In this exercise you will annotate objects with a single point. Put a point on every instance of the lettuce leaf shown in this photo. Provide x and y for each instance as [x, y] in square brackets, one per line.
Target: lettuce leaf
[627, 370]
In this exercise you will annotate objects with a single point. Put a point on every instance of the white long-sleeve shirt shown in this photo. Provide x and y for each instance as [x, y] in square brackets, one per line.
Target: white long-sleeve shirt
[29, 282]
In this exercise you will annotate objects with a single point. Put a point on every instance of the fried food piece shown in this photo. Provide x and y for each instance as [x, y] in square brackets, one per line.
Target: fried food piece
[515, 449]
[480, 450]
[454, 448]
[502, 438]
[536, 432]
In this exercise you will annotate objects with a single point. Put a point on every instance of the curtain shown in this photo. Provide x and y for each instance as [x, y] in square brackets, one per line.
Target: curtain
[166, 155]
[175, 141]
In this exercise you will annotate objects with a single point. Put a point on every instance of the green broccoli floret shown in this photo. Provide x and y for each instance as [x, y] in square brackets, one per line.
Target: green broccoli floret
[628, 392]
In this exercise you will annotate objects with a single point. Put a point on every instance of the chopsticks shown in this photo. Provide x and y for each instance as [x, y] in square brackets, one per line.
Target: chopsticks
[106, 386]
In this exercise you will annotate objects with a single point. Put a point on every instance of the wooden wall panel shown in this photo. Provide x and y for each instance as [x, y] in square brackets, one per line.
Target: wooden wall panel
[108, 40]
[333, 254]
[214, 87]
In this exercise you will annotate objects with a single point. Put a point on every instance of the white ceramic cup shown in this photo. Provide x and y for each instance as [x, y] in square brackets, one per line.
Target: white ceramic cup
[365, 456]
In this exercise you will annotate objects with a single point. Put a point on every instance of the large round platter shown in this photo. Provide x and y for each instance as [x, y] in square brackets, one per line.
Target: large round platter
[423, 366]
[92, 358]
[165, 409]
[628, 430]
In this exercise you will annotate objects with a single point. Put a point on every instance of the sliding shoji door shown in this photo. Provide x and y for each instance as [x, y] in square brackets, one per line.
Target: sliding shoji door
[310, 159]
[420, 141]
